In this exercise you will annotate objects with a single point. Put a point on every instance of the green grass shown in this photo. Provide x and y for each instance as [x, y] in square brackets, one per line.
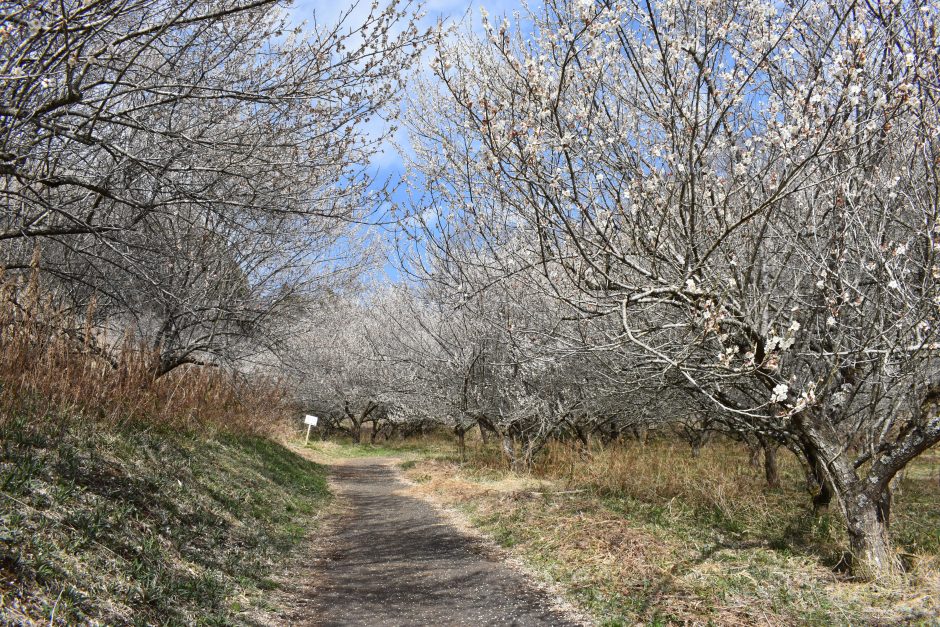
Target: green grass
[917, 508]
[138, 526]
[407, 450]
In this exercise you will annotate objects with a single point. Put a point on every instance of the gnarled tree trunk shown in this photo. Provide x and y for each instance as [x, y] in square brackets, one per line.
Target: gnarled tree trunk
[817, 480]
[771, 472]
[509, 451]
[865, 501]
[868, 522]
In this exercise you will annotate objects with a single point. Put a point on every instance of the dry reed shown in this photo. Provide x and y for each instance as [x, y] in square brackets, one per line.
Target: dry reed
[52, 368]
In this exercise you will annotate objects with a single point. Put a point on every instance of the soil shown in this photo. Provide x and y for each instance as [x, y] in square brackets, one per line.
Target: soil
[388, 558]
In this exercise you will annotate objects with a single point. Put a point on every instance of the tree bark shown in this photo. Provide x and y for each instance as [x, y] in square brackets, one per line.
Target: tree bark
[484, 434]
[461, 445]
[771, 473]
[865, 502]
[509, 450]
[770, 467]
[754, 448]
[868, 521]
[816, 480]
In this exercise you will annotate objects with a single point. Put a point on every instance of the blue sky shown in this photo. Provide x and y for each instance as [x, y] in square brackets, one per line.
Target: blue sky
[436, 10]
[388, 163]
[328, 11]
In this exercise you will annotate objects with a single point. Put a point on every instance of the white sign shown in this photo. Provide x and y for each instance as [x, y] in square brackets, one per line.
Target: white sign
[310, 420]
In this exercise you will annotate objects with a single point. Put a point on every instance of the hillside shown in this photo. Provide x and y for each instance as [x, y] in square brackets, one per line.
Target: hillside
[145, 526]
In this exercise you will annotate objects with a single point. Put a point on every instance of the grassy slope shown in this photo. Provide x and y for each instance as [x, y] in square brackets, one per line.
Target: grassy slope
[649, 536]
[140, 526]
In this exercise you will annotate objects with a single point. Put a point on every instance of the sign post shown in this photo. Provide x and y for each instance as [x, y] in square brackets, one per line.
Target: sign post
[310, 421]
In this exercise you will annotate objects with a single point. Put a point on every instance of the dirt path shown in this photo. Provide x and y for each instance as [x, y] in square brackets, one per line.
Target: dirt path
[392, 559]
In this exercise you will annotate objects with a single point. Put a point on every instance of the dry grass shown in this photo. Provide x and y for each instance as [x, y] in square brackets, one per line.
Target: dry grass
[127, 498]
[719, 481]
[326, 451]
[49, 370]
[651, 535]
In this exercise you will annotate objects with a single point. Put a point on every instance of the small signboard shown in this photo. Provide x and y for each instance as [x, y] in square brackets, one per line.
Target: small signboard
[310, 421]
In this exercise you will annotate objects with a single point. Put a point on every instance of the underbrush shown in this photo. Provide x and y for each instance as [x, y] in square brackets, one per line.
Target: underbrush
[145, 526]
[132, 498]
[52, 365]
[650, 534]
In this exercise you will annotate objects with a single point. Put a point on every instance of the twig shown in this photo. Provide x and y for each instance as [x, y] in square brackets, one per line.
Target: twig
[562, 492]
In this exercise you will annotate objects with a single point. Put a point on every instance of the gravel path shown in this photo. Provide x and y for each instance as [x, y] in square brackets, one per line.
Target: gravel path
[393, 560]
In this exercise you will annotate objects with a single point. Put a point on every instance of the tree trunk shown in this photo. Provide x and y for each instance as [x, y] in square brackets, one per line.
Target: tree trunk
[582, 437]
[461, 445]
[822, 498]
[816, 480]
[698, 435]
[771, 473]
[363, 418]
[865, 502]
[770, 467]
[754, 448]
[867, 520]
[509, 450]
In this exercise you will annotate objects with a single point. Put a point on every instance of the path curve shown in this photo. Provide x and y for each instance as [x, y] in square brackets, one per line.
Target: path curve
[392, 559]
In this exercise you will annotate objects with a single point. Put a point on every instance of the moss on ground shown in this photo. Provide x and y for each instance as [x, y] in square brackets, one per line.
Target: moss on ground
[138, 526]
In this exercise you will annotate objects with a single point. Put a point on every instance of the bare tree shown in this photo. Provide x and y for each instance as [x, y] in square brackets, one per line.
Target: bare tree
[749, 190]
[197, 168]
